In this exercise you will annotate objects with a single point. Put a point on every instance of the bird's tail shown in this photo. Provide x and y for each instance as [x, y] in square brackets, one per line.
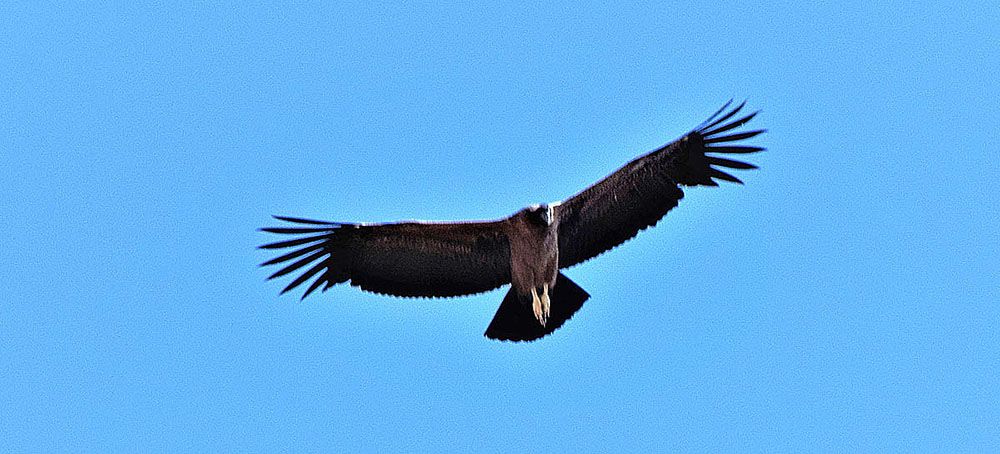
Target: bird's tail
[696, 168]
[515, 320]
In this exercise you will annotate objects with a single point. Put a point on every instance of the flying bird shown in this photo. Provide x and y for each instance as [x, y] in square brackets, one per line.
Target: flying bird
[527, 249]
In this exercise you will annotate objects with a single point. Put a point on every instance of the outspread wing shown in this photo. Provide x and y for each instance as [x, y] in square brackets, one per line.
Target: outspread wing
[402, 259]
[637, 195]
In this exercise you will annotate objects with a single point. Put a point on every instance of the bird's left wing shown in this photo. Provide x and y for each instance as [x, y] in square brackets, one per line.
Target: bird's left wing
[418, 259]
[637, 195]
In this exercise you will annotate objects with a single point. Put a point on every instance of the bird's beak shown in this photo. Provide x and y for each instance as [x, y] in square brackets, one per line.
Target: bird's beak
[548, 215]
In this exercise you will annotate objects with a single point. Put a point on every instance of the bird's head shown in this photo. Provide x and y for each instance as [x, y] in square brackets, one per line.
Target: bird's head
[542, 215]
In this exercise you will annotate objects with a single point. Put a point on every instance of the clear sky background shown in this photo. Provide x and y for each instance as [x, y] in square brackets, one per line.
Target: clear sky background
[845, 298]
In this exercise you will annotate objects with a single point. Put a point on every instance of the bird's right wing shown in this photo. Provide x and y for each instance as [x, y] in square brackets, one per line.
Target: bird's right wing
[637, 195]
[402, 259]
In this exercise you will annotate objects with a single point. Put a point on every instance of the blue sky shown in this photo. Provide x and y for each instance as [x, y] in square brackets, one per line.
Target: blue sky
[845, 298]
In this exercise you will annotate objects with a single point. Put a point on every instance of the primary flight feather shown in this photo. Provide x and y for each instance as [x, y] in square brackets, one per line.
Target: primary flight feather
[526, 250]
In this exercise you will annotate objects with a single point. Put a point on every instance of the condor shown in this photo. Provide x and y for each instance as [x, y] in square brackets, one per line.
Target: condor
[526, 250]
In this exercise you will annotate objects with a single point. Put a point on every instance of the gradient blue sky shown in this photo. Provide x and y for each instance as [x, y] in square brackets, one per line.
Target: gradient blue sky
[846, 298]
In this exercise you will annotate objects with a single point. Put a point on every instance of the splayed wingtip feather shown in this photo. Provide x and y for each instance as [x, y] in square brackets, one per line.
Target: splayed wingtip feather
[724, 117]
[735, 137]
[730, 163]
[715, 173]
[733, 125]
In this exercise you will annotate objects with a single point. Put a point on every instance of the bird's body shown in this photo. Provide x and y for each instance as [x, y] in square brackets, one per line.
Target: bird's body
[526, 250]
[534, 252]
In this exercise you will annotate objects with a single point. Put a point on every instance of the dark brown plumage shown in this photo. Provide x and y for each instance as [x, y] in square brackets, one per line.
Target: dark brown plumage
[527, 249]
